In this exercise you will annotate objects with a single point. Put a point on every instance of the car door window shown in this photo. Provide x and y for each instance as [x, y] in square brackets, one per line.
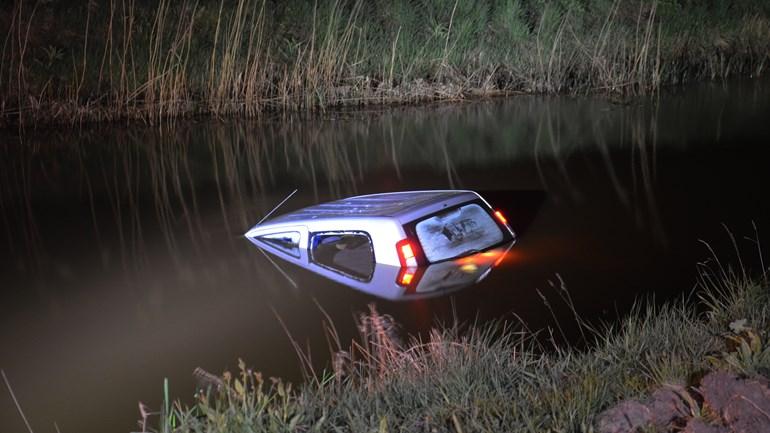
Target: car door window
[349, 253]
[287, 242]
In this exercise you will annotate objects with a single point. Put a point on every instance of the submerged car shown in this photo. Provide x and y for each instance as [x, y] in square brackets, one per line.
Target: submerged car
[366, 240]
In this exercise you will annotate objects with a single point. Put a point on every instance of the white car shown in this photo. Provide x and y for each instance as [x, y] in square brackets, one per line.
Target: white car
[348, 240]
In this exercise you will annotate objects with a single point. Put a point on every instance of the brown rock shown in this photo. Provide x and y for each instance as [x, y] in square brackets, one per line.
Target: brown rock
[717, 388]
[697, 425]
[744, 404]
[666, 405]
[748, 411]
[627, 417]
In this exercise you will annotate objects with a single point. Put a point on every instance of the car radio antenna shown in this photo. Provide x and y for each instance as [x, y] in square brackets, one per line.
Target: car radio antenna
[276, 208]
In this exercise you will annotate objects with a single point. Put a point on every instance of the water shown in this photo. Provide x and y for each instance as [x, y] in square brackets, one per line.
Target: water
[122, 259]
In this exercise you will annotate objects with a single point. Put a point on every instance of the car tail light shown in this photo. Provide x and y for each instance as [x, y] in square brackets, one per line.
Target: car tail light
[406, 253]
[410, 278]
[500, 217]
[406, 276]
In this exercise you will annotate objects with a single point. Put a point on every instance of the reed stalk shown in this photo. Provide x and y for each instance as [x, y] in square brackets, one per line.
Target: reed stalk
[175, 59]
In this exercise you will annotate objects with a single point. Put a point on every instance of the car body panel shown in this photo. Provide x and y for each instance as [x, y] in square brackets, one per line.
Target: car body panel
[382, 216]
[434, 280]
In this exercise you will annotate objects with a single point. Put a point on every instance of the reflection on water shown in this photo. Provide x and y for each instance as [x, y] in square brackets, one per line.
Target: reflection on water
[122, 259]
[244, 166]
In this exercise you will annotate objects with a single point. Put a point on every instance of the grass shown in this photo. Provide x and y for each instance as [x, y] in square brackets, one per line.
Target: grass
[70, 62]
[494, 378]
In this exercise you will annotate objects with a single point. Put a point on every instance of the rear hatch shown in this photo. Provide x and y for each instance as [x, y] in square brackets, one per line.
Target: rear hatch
[458, 231]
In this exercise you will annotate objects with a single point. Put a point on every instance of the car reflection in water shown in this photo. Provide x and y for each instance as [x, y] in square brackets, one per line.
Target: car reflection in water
[394, 282]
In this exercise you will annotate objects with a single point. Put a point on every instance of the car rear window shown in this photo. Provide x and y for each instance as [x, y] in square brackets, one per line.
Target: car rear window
[457, 232]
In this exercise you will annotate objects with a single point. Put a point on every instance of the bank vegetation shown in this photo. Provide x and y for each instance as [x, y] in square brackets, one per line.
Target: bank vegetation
[661, 368]
[70, 62]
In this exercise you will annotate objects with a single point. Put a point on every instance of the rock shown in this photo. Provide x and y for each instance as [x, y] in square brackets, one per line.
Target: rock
[717, 388]
[627, 417]
[697, 425]
[743, 404]
[664, 407]
[748, 411]
[739, 405]
[667, 406]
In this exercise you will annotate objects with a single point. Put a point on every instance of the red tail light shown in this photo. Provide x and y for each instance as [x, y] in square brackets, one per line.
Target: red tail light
[406, 253]
[406, 276]
[410, 278]
[500, 217]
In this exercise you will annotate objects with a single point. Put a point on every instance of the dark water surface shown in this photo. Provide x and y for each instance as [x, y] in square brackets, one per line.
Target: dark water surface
[122, 260]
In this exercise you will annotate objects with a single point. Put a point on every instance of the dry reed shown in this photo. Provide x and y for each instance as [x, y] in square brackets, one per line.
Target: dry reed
[179, 59]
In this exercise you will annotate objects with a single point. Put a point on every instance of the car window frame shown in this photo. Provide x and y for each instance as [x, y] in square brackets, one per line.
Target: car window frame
[410, 229]
[312, 259]
[294, 252]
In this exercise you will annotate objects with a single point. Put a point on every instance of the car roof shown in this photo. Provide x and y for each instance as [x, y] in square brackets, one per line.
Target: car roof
[391, 204]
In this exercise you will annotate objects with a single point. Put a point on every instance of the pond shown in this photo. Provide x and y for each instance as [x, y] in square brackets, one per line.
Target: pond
[123, 261]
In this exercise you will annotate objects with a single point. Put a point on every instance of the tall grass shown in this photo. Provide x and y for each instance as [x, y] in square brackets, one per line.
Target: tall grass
[495, 378]
[152, 61]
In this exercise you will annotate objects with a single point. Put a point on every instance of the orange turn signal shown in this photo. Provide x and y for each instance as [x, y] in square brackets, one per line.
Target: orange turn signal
[500, 217]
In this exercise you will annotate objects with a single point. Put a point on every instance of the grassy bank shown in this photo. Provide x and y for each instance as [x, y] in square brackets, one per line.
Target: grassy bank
[135, 59]
[499, 380]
